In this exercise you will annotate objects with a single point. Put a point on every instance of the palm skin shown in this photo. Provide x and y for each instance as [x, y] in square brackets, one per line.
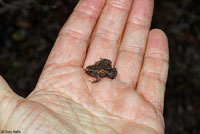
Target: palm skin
[109, 106]
[65, 101]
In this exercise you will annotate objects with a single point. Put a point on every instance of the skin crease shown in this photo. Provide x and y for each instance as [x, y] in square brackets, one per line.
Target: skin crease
[64, 100]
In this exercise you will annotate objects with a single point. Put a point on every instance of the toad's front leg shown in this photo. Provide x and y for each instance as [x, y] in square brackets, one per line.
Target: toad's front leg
[97, 79]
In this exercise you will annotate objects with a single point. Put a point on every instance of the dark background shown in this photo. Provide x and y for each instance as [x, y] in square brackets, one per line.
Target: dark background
[28, 29]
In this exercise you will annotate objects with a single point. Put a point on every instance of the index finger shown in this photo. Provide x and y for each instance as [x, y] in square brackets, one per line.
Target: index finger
[71, 44]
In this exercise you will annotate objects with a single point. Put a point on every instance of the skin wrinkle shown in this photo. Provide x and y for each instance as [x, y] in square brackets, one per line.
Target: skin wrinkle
[114, 107]
[151, 99]
[44, 102]
[71, 87]
[117, 97]
[35, 120]
[154, 76]
[146, 124]
[26, 117]
[39, 126]
[57, 118]
[87, 10]
[18, 104]
[163, 61]
[123, 78]
[59, 76]
[133, 49]
[139, 22]
[120, 106]
[2, 100]
[32, 122]
[97, 116]
[142, 17]
[104, 110]
[110, 23]
[75, 35]
[137, 38]
[138, 114]
[137, 48]
[52, 91]
[54, 68]
[143, 26]
[5, 94]
[94, 123]
[109, 111]
[107, 34]
[146, 103]
[91, 113]
[156, 56]
[94, 7]
[94, 98]
[137, 55]
[138, 126]
[107, 39]
[117, 7]
[78, 31]
[70, 54]
[107, 27]
[83, 125]
[119, 4]
[76, 116]
[96, 101]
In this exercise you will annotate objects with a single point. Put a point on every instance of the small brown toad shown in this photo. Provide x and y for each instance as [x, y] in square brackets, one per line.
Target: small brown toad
[100, 69]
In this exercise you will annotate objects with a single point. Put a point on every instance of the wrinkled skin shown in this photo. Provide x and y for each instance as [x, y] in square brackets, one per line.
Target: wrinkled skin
[64, 100]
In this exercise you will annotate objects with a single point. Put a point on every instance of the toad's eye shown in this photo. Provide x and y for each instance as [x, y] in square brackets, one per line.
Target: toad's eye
[90, 71]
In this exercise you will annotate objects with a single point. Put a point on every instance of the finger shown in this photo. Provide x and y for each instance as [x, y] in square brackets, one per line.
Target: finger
[133, 45]
[106, 37]
[153, 76]
[72, 42]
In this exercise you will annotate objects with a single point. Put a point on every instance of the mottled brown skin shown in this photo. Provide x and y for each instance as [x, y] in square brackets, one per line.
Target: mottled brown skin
[100, 69]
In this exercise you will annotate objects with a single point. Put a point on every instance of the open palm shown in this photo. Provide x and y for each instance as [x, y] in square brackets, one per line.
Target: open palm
[66, 102]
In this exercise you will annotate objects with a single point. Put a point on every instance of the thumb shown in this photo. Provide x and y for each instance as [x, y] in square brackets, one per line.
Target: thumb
[5, 89]
[8, 102]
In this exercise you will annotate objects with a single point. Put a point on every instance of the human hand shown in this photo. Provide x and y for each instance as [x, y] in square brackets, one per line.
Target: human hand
[65, 101]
